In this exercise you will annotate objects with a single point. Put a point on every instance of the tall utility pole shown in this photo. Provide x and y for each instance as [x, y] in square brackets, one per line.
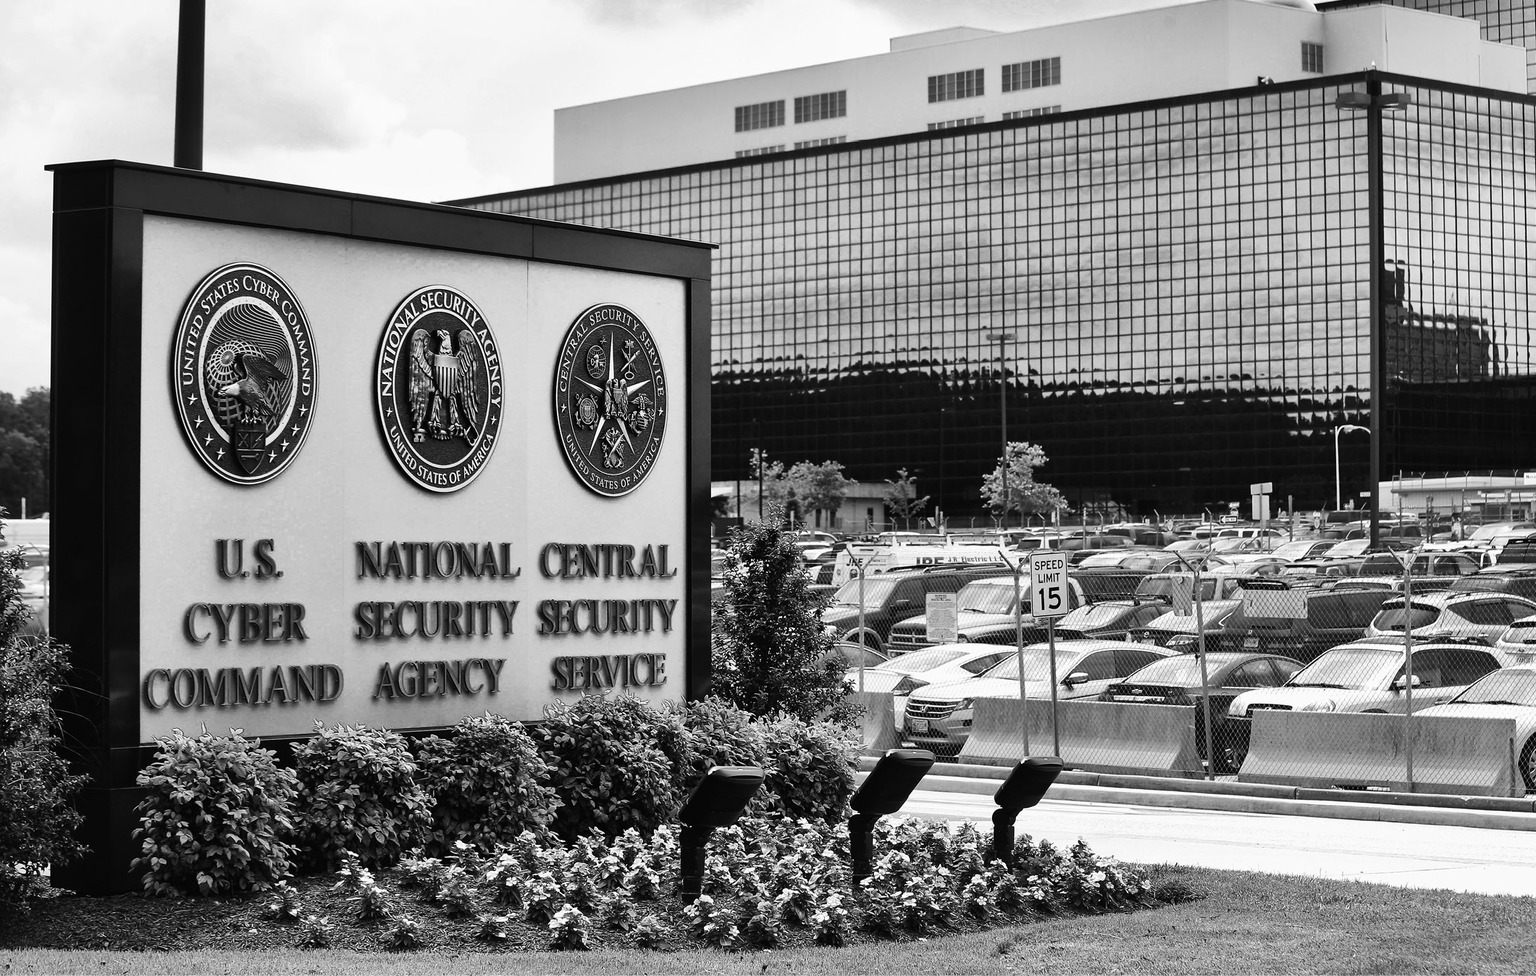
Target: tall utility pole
[1002, 338]
[189, 84]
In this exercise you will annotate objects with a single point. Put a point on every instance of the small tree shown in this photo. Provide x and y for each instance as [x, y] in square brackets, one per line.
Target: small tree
[1025, 495]
[37, 790]
[901, 498]
[770, 653]
[819, 487]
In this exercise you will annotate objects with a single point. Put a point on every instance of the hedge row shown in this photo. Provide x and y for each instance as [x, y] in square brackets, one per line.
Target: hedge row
[222, 817]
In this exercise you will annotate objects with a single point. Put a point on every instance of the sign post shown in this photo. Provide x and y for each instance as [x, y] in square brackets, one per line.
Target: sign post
[943, 618]
[1260, 493]
[1017, 565]
[1049, 598]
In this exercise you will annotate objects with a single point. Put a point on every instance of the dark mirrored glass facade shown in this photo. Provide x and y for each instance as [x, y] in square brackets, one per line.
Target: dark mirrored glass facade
[1187, 284]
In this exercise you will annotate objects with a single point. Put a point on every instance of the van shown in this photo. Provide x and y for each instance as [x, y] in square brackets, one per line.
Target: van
[1333, 617]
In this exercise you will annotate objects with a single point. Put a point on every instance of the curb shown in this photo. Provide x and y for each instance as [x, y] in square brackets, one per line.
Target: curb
[1497, 813]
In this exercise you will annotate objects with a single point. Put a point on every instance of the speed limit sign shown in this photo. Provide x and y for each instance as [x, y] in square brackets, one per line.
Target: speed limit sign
[1048, 584]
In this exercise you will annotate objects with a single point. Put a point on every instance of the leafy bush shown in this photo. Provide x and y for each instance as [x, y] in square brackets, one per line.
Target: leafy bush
[360, 794]
[771, 655]
[216, 819]
[606, 766]
[486, 783]
[37, 791]
[719, 734]
[812, 772]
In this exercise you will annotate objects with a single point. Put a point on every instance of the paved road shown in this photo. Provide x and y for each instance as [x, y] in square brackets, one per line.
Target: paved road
[1413, 855]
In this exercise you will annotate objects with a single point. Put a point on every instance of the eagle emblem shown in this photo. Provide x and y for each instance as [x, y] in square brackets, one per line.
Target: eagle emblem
[244, 372]
[445, 396]
[438, 388]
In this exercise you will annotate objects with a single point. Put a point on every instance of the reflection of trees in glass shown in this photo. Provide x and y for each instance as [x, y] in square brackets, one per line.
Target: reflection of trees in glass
[24, 444]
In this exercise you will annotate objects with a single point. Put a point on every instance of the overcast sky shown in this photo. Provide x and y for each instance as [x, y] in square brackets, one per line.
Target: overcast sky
[423, 101]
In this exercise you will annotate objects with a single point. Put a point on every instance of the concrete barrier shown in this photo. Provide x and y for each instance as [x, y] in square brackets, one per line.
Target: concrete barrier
[879, 721]
[1097, 736]
[1451, 754]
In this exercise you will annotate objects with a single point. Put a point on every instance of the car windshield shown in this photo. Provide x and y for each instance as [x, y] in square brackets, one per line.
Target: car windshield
[875, 592]
[1093, 615]
[1510, 686]
[1349, 667]
[1037, 666]
[1212, 614]
[1293, 550]
[986, 597]
[919, 661]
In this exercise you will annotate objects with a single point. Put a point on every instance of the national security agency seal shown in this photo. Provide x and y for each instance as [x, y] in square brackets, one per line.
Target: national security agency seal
[610, 400]
[243, 373]
[438, 388]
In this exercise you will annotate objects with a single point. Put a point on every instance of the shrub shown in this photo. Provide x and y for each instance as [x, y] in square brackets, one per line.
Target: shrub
[37, 792]
[606, 767]
[486, 785]
[719, 734]
[812, 770]
[771, 655]
[360, 793]
[216, 818]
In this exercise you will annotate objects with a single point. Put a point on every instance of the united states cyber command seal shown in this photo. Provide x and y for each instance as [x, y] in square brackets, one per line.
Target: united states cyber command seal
[243, 372]
[610, 400]
[438, 388]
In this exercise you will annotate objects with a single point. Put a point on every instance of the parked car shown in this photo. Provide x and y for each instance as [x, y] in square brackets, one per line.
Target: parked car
[1369, 676]
[1505, 693]
[1302, 549]
[847, 654]
[942, 663]
[1221, 621]
[1329, 618]
[939, 716]
[983, 607]
[1177, 681]
[1516, 647]
[890, 598]
[1108, 620]
[1447, 613]
[1515, 580]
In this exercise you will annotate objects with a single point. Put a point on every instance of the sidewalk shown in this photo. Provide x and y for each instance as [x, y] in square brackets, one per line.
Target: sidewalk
[1501, 813]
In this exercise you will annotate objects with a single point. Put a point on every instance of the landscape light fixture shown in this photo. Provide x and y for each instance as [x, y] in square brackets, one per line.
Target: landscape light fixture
[883, 791]
[717, 801]
[1023, 788]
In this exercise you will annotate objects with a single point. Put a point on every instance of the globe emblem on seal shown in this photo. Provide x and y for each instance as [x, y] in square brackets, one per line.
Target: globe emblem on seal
[243, 373]
[610, 400]
[438, 388]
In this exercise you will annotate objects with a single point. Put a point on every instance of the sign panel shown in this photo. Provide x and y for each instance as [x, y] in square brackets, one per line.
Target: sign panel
[943, 618]
[1048, 593]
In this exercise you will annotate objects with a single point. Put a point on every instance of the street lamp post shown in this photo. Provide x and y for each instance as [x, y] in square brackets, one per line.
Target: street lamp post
[1372, 102]
[1001, 338]
[1338, 491]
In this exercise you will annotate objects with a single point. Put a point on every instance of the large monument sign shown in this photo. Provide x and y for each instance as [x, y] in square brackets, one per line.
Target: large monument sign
[321, 457]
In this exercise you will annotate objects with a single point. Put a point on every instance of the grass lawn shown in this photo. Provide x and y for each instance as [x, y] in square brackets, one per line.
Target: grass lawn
[1238, 923]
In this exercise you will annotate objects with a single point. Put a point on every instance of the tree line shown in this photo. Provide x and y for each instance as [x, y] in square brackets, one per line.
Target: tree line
[24, 452]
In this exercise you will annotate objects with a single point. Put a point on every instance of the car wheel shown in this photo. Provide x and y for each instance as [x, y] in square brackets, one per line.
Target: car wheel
[1528, 764]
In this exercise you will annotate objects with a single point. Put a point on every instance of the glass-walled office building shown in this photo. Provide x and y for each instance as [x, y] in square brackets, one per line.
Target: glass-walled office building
[1185, 287]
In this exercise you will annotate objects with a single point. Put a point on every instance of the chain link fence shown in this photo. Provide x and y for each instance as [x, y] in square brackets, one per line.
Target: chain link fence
[1375, 681]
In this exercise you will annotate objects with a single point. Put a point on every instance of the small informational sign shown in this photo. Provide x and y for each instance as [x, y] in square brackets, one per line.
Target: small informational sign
[1048, 596]
[943, 618]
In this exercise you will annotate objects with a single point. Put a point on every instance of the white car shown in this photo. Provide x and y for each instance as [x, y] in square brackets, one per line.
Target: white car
[1368, 676]
[938, 717]
[1449, 613]
[906, 673]
[1505, 693]
[1516, 647]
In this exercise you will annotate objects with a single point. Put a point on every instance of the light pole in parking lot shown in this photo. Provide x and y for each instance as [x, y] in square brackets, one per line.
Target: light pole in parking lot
[1002, 338]
[1338, 492]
